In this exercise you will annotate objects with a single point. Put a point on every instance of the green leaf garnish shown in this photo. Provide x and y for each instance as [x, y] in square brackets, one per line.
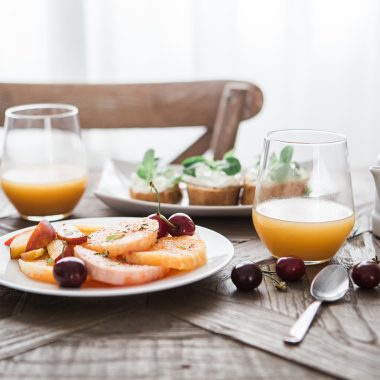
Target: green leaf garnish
[286, 154]
[193, 160]
[147, 168]
[229, 165]
[233, 166]
[114, 237]
[50, 261]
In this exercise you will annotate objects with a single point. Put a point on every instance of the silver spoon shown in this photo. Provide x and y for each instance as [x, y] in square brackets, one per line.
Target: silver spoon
[330, 284]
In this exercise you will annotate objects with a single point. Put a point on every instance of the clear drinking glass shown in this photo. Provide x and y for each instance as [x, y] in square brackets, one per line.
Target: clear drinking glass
[43, 167]
[303, 202]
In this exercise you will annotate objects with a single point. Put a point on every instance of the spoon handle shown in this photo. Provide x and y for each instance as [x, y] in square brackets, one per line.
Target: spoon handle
[300, 327]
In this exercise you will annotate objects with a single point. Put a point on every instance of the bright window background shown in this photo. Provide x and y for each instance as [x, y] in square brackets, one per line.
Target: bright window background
[317, 61]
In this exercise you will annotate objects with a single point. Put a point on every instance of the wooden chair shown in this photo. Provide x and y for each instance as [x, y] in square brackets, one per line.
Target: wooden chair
[217, 105]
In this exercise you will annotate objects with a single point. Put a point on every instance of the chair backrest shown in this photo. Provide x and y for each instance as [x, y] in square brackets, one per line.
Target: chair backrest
[217, 105]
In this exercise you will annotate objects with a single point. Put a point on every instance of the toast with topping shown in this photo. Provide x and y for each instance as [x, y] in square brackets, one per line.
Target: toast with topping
[177, 252]
[119, 239]
[115, 271]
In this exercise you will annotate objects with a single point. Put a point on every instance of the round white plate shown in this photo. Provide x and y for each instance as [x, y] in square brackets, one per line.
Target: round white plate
[113, 190]
[219, 252]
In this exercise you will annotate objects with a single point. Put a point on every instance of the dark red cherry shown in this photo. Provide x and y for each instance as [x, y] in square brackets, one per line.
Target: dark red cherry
[290, 268]
[246, 275]
[183, 225]
[70, 272]
[366, 274]
[163, 226]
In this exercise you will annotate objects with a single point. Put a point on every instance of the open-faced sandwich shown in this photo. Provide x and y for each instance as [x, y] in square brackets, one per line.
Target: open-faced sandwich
[284, 177]
[164, 178]
[213, 182]
[133, 252]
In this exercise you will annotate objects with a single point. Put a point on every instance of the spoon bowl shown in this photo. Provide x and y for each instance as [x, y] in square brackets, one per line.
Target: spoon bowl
[330, 284]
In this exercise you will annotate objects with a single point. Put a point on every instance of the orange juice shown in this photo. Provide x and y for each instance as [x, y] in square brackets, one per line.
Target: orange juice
[312, 229]
[43, 191]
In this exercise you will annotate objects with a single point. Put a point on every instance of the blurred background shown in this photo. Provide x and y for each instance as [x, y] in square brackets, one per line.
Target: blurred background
[317, 61]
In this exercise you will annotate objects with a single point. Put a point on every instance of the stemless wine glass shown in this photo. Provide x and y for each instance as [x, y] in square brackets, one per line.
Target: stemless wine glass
[43, 167]
[303, 203]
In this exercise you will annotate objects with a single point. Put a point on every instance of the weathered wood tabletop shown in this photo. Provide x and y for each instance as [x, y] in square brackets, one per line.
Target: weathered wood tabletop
[204, 330]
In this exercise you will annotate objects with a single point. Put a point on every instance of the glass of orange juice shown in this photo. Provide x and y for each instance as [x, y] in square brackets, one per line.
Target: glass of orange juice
[43, 167]
[303, 202]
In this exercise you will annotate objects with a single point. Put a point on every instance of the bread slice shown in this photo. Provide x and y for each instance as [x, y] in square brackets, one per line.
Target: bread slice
[171, 195]
[177, 252]
[249, 189]
[212, 196]
[118, 240]
[283, 190]
[117, 272]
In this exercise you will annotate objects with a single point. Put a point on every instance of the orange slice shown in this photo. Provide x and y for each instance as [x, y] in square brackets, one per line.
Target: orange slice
[177, 252]
[38, 270]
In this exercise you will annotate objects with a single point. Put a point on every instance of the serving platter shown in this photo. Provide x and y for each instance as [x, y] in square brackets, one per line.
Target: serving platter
[219, 252]
[113, 190]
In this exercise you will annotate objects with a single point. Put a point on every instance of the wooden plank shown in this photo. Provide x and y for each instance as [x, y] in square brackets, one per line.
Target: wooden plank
[42, 320]
[149, 344]
[245, 321]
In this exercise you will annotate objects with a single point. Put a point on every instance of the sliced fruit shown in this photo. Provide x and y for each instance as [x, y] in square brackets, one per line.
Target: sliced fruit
[42, 235]
[38, 270]
[88, 229]
[57, 249]
[34, 254]
[117, 272]
[71, 234]
[18, 244]
[177, 252]
[122, 238]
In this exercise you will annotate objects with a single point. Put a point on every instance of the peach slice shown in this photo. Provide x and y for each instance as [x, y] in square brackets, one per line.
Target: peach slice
[18, 244]
[34, 254]
[88, 229]
[71, 234]
[42, 235]
[57, 249]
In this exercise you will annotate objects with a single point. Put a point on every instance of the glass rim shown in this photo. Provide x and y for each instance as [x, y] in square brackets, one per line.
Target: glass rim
[334, 137]
[69, 110]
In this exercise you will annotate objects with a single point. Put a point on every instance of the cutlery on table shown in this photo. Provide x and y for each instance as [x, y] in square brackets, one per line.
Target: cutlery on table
[329, 285]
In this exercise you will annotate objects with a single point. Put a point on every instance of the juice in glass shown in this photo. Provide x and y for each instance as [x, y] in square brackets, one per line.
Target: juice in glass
[44, 190]
[313, 229]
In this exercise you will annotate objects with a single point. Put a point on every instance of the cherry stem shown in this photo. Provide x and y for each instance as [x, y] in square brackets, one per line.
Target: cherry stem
[162, 217]
[281, 285]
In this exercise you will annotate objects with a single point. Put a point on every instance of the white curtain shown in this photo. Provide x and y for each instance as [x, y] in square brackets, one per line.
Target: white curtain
[317, 61]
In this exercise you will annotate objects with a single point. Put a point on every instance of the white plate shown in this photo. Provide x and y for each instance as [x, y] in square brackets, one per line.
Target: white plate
[219, 252]
[113, 190]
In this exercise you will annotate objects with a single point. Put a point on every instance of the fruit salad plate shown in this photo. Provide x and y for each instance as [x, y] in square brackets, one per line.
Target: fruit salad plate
[113, 190]
[219, 252]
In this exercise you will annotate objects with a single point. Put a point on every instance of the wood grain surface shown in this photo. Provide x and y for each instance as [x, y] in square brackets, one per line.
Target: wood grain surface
[204, 330]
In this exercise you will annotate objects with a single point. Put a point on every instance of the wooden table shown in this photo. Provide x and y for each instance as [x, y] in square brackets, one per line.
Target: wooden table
[205, 330]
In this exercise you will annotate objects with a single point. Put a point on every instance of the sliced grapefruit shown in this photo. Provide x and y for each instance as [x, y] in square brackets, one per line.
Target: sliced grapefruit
[117, 272]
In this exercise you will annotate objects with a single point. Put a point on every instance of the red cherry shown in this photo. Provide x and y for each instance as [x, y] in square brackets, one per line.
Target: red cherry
[183, 225]
[163, 227]
[366, 274]
[290, 268]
